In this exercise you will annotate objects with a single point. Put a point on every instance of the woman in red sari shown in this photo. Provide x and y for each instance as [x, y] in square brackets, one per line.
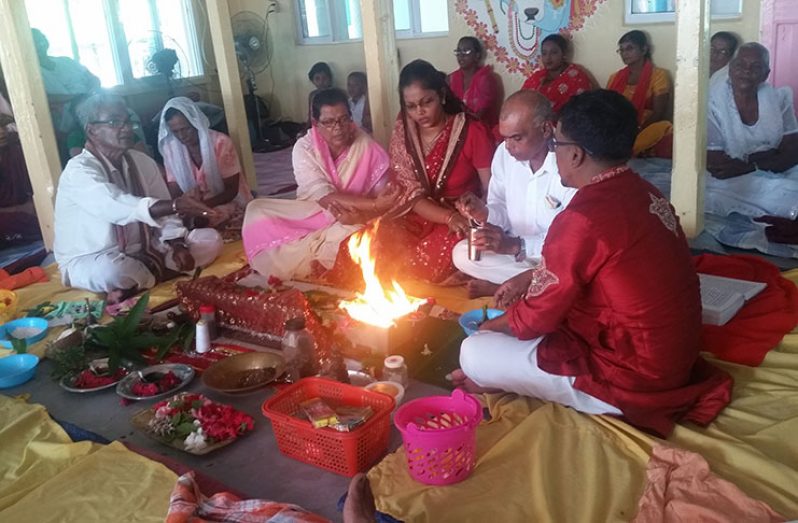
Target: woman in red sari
[649, 90]
[438, 153]
[558, 80]
[474, 84]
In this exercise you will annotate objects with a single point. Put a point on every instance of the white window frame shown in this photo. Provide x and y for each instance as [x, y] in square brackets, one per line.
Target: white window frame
[720, 10]
[121, 57]
[337, 23]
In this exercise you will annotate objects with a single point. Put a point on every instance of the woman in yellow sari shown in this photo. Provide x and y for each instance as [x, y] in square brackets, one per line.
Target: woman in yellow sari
[649, 89]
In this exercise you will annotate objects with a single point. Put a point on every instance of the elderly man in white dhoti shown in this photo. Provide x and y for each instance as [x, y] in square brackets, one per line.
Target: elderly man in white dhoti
[525, 194]
[752, 142]
[117, 230]
[341, 175]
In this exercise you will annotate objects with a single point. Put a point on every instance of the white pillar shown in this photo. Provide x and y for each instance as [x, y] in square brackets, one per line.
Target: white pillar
[382, 65]
[31, 111]
[690, 114]
[230, 84]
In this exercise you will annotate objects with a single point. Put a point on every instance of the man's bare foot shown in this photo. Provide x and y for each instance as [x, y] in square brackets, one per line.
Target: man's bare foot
[359, 506]
[456, 279]
[119, 295]
[459, 379]
[481, 288]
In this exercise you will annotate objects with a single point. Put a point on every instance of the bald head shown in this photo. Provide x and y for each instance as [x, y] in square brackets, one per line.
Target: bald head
[525, 125]
[527, 105]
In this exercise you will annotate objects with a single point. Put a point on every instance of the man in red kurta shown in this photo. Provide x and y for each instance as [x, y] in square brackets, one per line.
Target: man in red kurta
[610, 321]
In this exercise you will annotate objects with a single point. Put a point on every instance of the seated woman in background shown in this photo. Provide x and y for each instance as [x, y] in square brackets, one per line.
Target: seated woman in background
[438, 153]
[649, 90]
[201, 161]
[557, 79]
[341, 177]
[475, 84]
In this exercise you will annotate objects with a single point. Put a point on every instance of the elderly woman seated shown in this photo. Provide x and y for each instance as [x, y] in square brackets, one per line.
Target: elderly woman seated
[200, 161]
[752, 138]
[341, 177]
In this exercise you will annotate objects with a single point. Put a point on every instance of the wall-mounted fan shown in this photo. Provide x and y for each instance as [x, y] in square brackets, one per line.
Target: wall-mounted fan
[157, 54]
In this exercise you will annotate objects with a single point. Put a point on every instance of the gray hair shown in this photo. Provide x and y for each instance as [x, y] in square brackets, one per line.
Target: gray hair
[537, 105]
[759, 48]
[89, 109]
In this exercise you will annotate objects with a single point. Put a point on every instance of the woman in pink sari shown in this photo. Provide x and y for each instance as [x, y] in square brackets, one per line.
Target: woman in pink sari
[474, 84]
[341, 177]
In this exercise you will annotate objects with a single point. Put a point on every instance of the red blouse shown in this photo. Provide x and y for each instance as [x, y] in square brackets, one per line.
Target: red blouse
[569, 83]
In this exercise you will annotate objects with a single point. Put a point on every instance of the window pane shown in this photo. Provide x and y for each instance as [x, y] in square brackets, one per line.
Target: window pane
[179, 33]
[401, 15]
[434, 16]
[142, 40]
[53, 23]
[315, 18]
[652, 6]
[354, 25]
[92, 34]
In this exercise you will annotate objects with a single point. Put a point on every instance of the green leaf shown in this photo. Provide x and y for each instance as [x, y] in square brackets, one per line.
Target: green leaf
[184, 429]
[130, 323]
[19, 346]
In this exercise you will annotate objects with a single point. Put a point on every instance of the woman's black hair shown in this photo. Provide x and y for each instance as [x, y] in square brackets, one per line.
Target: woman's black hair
[424, 73]
[475, 42]
[319, 67]
[171, 113]
[637, 38]
[557, 39]
[331, 96]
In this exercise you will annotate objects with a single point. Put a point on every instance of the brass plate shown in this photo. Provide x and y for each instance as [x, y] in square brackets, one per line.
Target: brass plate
[244, 372]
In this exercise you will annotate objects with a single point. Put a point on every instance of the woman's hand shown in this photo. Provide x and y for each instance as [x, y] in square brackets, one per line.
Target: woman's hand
[185, 205]
[458, 224]
[513, 289]
[387, 197]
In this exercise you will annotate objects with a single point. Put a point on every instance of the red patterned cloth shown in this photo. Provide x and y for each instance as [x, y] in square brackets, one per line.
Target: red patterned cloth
[617, 301]
[569, 83]
[482, 95]
[762, 322]
[187, 504]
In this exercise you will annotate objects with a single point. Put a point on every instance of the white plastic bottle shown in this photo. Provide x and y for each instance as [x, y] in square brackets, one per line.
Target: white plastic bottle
[394, 369]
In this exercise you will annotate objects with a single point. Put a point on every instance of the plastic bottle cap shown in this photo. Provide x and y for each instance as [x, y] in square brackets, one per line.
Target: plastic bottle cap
[394, 362]
[207, 309]
[295, 324]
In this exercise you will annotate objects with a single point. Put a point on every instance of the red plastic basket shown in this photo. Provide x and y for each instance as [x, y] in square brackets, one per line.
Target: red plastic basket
[345, 453]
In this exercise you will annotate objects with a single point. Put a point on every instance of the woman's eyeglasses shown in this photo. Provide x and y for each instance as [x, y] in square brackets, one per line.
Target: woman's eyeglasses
[335, 122]
[117, 124]
[463, 52]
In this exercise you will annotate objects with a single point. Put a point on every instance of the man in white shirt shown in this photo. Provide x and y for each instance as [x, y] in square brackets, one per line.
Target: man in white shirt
[356, 88]
[116, 226]
[524, 196]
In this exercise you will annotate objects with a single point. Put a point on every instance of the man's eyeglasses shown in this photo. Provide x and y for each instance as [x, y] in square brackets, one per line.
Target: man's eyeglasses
[117, 124]
[335, 122]
[463, 52]
[553, 143]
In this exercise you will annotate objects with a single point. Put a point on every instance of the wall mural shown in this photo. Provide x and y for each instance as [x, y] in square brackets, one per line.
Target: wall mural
[513, 29]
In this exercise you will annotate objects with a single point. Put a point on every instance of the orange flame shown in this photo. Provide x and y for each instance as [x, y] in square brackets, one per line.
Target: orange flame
[376, 305]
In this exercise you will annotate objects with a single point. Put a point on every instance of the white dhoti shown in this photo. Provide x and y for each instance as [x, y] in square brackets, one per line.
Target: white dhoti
[755, 194]
[495, 360]
[110, 270]
[492, 267]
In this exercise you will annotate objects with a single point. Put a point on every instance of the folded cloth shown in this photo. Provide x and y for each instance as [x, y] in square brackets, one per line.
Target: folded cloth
[188, 505]
[22, 279]
[680, 487]
[762, 322]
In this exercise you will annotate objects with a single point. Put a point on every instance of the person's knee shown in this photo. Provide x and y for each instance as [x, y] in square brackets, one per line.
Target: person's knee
[472, 350]
[110, 272]
[460, 258]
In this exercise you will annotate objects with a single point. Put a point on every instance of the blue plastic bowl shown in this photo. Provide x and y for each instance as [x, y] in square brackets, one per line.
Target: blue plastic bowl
[17, 369]
[35, 323]
[470, 320]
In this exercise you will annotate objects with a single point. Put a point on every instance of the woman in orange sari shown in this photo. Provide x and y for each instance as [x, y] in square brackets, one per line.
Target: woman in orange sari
[438, 153]
[649, 90]
[558, 80]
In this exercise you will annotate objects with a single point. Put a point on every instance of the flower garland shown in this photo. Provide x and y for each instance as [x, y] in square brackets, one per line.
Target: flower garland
[198, 421]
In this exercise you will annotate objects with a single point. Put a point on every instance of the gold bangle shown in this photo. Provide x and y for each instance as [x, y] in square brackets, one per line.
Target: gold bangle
[451, 217]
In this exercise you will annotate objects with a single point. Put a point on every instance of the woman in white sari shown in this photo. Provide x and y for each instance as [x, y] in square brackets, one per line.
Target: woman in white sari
[201, 161]
[341, 174]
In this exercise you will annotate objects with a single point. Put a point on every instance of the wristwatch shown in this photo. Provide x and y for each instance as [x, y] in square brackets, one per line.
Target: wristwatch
[521, 255]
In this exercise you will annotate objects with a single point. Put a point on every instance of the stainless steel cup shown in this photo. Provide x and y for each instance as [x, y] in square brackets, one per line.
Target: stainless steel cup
[474, 254]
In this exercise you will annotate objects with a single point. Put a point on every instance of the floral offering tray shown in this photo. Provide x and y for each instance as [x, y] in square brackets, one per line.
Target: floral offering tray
[193, 423]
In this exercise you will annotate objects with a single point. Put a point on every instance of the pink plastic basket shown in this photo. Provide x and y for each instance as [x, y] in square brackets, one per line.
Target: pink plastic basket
[439, 434]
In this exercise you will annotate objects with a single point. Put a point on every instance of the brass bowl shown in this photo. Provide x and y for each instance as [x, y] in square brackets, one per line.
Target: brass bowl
[244, 372]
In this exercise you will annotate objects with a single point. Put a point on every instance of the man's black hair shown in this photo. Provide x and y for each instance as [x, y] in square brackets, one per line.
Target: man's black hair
[331, 96]
[319, 67]
[730, 38]
[603, 122]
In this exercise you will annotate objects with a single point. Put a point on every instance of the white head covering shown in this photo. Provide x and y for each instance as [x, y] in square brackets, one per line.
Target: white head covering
[175, 154]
